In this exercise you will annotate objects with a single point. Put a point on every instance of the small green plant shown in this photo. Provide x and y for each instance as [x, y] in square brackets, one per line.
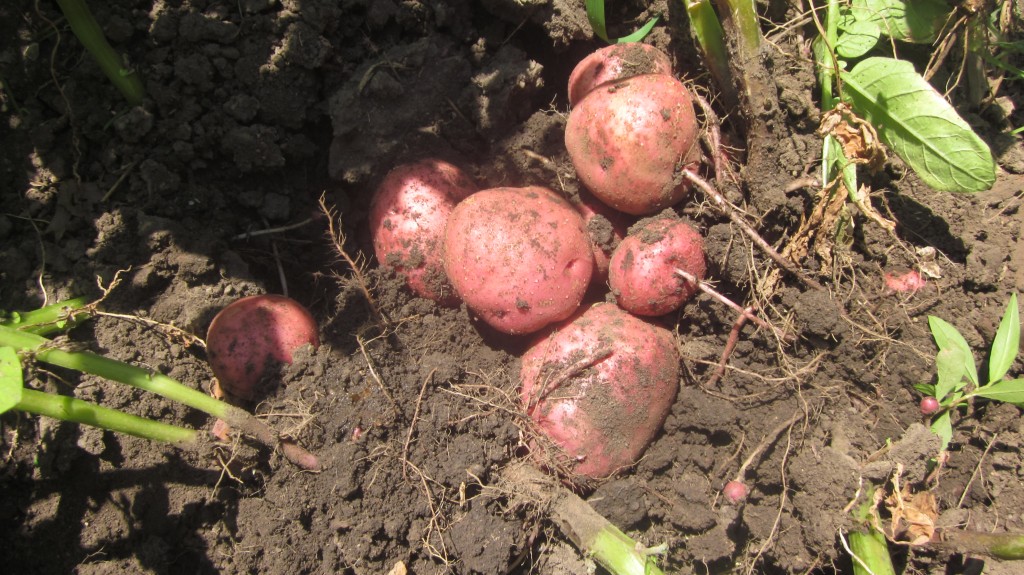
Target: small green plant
[89, 33]
[911, 117]
[595, 14]
[21, 342]
[958, 381]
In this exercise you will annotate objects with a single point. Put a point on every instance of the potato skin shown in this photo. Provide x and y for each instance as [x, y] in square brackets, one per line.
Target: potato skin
[615, 62]
[408, 214]
[600, 388]
[519, 257]
[642, 270]
[631, 139]
[253, 334]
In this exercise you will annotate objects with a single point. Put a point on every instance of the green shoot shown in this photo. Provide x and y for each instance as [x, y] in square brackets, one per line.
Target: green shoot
[869, 549]
[957, 378]
[45, 320]
[710, 37]
[594, 535]
[13, 394]
[88, 32]
[595, 14]
[78, 411]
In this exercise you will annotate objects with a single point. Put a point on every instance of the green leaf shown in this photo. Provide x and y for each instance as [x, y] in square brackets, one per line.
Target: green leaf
[947, 337]
[595, 14]
[914, 120]
[857, 39]
[918, 21]
[950, 368]
[1006, 344]
[925, 389]
[943, 427]
[10, 379]
[1007, 390]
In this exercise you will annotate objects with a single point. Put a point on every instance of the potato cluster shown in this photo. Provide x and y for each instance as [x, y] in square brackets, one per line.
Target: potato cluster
[599, 379]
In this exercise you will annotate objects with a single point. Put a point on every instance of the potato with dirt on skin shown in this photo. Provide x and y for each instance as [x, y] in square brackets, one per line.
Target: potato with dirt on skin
[631, 140]
[520, 258]
[642, 273]
[408, 214]
[254, 334]
[615, 62]
[599, 388]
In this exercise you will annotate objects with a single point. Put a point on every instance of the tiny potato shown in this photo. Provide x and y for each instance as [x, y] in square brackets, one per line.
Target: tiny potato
[520, 258]
[630, 141]
[642, 273]
[599, 388]
[252, 335]
[607, 227]
[408, 215]
[615, 62]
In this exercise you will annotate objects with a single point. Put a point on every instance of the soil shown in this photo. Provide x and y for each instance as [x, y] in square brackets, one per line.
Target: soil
[211, 190]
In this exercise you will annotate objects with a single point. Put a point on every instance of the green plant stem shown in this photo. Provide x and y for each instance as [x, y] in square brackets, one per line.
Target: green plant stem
[94, 364]
[707, 30]
[594, 535]
[88, 31]
[159, 384]
[824, 54]
[79, 411]
[45, 320]
[868, 546]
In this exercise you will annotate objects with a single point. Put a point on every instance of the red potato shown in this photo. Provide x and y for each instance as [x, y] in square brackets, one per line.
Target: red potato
[630, 140]
[615, 62]
[519, 257]
[607, 227]
[600, 388]
[253, 334]
[642, 270]
[408, 214]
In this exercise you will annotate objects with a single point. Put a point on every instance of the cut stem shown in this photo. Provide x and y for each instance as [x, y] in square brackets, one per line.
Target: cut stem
[869, 549]
[707, 30]
[89, 33]
[45, 320]
[79, 411]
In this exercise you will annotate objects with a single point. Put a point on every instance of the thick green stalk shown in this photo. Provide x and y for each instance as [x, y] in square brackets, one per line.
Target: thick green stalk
[88, 31]
[869, 548]
[79, 411]
[707, 30]
[45, 320]
[618, 553]
[743, 17]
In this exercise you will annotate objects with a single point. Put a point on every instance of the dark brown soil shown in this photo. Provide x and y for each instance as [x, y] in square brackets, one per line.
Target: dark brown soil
[256, 109]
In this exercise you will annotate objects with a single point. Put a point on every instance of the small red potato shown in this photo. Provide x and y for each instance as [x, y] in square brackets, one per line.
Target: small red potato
[630, 141]
[408, 214]
[615, 62]
[600, 388]
[642, 270]
[607, 227]
[253, 334]
[519, 257]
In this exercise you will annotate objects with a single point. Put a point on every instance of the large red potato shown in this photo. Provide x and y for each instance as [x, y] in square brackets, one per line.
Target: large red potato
[408, 215]
[615, 62]
[600, 388]
[642, 272]
[519, 257]
[252, 335]
[630, 141]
